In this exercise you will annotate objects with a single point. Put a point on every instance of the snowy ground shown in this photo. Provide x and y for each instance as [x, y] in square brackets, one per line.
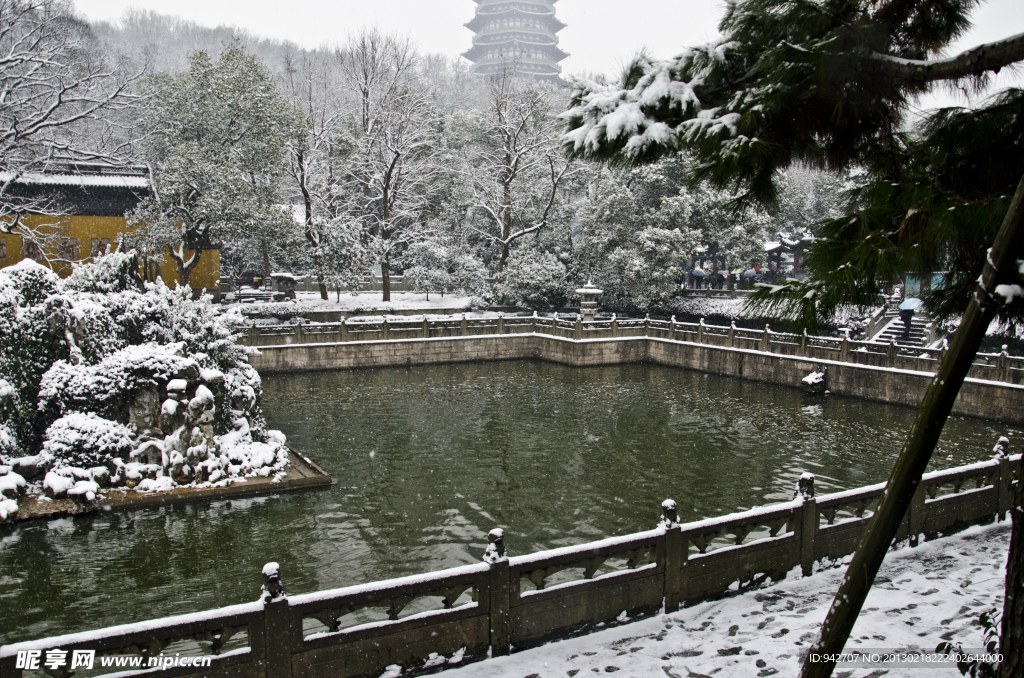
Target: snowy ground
[922, 596]
[365, 301]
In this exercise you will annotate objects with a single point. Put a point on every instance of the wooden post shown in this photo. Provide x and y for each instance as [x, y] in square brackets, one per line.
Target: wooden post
[615, 325]
[501, 323]
[276, 625]
[499, 593]
[807, 523]
[673, 556]
[700, 331]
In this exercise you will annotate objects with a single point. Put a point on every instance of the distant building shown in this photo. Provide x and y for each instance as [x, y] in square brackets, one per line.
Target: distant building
[517, 33]
[86, 206]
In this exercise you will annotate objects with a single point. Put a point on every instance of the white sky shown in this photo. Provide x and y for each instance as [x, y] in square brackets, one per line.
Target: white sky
[601, 36]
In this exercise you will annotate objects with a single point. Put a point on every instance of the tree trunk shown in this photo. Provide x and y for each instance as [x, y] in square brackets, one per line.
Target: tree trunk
[385, 276]
[931, 417]
[1011, 634]
[265, 248]
[506, 222]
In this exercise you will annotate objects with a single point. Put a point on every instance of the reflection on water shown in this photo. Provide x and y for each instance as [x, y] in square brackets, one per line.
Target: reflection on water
[427, 460]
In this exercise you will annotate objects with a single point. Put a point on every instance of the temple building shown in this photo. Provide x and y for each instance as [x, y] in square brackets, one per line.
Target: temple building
[517, 33]
[82, 213]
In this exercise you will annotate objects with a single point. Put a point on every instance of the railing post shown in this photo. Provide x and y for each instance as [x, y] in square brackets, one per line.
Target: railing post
[943, 347]
[803, 343]
[647, 325]
[343, 331]
[1003, 365]
[700, 331]
[915, 516]
[554, 323]
[890, 353]
[533, 323]
[673, 555]
[499, 592]
[426, 328]
[672, 328]
[577, 332]
[276, 625]
[844, 347]
[464, 326]
[808, 523]
[615, 325]
[766, 341]
[732, 334]
[1004, 478]
[385, 330]
[501, 323]
[298, 333]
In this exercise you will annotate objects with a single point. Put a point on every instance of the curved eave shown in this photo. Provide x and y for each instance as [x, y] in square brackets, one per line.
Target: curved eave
[476, 54]
[490, 2]
[535, 70]
[509, 37]
[482, 18]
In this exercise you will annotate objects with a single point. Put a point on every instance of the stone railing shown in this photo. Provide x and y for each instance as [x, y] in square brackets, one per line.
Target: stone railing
[999, 367]
[420, 623]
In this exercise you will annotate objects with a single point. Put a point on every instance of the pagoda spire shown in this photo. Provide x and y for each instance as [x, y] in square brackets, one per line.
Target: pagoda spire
[516, 33]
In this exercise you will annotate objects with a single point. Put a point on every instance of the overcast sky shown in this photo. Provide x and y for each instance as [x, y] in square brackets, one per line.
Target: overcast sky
[601, 34]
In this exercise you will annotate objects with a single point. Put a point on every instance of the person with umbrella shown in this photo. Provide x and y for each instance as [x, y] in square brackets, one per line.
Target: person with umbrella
[698, 278]
[907, 309]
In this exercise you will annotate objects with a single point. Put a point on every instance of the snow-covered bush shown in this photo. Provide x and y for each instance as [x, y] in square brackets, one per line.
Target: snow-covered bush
[85, 440]
[101, 370]
[532, 279]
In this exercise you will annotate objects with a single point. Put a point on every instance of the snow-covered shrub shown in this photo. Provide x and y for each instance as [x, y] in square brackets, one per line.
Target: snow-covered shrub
[101, 369]
[532, 279]
[85, 440]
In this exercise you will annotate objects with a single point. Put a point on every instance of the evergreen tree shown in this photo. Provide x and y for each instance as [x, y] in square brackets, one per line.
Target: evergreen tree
[828, 85]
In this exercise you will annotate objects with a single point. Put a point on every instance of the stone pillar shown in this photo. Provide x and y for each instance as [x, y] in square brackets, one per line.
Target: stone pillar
[426, 328]
[578, 330]
[700, 331]
[276, 624]
[672, 327]
[501, 323]
[1003, 365]
[343, 330]
[807, 523]
[674, 556]
[890, 353]
[464, 326]
[499, 593]
[385, 330]
[615, 325]
[803, 343]
[844, 347]
[732, 334]
[647, 325]
[766, 340]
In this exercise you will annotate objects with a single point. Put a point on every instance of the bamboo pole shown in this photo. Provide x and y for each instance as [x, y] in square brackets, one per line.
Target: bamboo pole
[1000, 267]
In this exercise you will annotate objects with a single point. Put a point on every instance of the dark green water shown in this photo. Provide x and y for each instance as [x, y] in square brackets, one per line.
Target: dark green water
[427, 460]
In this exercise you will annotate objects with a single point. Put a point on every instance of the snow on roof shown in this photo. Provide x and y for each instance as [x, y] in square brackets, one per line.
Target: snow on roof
[82, 180]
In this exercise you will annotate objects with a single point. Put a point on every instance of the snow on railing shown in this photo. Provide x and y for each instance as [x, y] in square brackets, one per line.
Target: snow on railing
[999, 367]
[465, 613]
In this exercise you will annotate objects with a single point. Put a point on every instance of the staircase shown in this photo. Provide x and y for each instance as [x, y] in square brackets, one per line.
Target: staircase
[893, 331]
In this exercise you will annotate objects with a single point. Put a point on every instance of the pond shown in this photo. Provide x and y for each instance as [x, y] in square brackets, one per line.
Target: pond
[427, 460]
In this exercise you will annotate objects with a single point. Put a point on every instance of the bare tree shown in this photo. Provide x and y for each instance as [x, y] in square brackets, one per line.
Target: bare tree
[516, 169]
[59, 103]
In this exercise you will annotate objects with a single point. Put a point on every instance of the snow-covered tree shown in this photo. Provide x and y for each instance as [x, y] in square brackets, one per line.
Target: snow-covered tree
[514, 166]
[215, 141]
[61, 102]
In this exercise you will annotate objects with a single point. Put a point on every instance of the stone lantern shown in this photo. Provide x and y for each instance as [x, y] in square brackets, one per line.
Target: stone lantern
[589, 304]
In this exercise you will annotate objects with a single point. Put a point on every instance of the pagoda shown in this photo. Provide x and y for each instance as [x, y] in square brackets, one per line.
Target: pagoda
[517, 33]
